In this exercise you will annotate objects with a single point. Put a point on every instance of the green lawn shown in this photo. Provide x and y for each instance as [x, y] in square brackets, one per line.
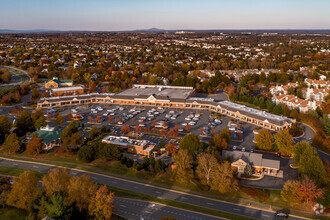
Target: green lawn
[10, 213]
[15, 171]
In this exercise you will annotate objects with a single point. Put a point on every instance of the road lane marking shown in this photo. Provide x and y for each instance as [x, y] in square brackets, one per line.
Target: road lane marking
[183, 197]
[237, 209]
[135, 187]
[114, 182]
[35, 166]
[209, 203]
[148, 212]
[158, 192]
[15, 164]
[95, 178]
[265, 215]
[124, 206]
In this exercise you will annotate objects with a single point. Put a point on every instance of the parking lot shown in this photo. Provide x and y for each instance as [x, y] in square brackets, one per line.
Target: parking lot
[167, 118]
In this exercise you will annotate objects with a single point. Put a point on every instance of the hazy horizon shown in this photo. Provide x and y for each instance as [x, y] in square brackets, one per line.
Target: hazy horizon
[126, 15]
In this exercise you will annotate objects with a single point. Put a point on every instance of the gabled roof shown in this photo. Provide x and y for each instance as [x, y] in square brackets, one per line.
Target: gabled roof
[48, 136]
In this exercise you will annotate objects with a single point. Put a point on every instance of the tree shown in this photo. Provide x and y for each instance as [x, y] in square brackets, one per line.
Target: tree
[310, 191]
[25, 190]
[24, 123]
[80, 191]
[40, 122]
[225, 134]
[59, 119]
[264, 140]
[56, 180]
[94, 132]
[248, 170]
[291, 192]
[218, 142]
[86, 154]
[183, 160]
[76, 140]
[101, 204]
[311, 165]
[299, 150]
[159, 166]
[12, 144]
[191, 143]
[109, 152]
[35, 93]
[207, 164]
[171, 148]
[53, 207]
[125, 129]
[5, 127]
[223, 180]
[35, 145]
[284, 142]
[92, 87]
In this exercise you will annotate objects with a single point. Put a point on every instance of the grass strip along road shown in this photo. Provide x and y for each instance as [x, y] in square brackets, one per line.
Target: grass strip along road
[158, 192]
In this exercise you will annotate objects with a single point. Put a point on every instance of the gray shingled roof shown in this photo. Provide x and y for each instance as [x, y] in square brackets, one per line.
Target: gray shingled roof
[254, 159]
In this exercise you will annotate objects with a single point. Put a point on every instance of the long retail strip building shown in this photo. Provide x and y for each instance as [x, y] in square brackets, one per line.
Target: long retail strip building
[173, 97]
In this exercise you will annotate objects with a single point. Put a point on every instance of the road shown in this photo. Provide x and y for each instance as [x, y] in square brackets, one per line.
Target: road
[16, 79]
[153, 191]
[137, 209]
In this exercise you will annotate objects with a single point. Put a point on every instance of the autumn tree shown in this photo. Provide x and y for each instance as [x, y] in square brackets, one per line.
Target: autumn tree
[12, 143]
[223, 180]
[310, 190]
[264, 140]
[81, 190]
[225, 134]
[207, 165]
[284, 142]
[218, 143]
[183, 160]
[291, 193]
[24, 191]
[101, 205]
[92, 87]
[171, 148]
[5, 127]
[125, 129]
[59, 119]
[56, 180]
[35, 145]
[188, 128]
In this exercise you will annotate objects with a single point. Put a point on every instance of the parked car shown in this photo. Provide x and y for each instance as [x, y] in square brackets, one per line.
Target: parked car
[243, 149]
[234, 147]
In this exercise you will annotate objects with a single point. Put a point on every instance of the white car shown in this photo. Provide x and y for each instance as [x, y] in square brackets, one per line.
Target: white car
[195, 119]
[184, 124]
[187, 119]
[74, 110]
[243, 149]
[192, 123]
[173, 118]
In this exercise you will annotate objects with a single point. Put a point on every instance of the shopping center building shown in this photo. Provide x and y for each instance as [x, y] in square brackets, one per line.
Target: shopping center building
[173, 97]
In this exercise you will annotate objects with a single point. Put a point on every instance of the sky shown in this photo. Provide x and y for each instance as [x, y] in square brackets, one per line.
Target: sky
[118, 15]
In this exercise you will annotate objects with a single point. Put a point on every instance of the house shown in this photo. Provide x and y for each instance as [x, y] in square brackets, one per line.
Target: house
[51, 136]
[56, 83]
[259, 165]
[317, 83]
[315, 94]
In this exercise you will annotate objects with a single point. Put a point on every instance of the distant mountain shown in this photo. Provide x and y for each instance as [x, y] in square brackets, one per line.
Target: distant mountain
[155, 30]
